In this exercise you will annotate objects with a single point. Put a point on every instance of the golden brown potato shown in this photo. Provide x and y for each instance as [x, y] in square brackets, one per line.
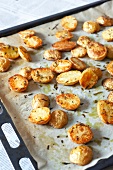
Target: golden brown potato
[69, 78]
[97, 71]
[96, 51]
[4, 64]
[68, 101]
[40, 115]
[40, 100]
[81, 155]
[60, 66]
[42, 75]
[26, 33]
[109, 68]
[108, 83]
[109, 51]
[80, 133]
[108, 34]
[91, 27]
[105, 21]
[18, 83]
[52, 55]
[64, 35]
[64, 45]
[33, 42]
[58, 119]
[105, 111]
[26, 72]
[9, 52]
[88, 78]
[83, 41]
[110, 97]
[79, 52]
[24, 54]
[69, 23]
[77, 64]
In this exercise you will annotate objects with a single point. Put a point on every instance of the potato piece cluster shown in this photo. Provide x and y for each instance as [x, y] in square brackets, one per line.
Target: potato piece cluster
[70, 72]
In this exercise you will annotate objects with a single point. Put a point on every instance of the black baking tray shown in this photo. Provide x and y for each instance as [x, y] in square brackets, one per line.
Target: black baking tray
[15, 29]
[15, 154]
[102, 164]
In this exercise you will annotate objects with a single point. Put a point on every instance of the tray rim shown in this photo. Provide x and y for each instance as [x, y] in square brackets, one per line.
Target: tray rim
[27, 25]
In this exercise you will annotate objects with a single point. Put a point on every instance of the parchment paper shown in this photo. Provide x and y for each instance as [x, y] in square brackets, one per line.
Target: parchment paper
[51, 147]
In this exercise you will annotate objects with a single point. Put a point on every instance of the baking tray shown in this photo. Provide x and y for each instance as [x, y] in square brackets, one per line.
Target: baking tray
[15, 29]
[102, 163]
[13, 145]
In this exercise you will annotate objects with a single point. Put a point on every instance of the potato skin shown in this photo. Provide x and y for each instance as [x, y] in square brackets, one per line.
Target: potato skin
[81, 155]
[58, 119]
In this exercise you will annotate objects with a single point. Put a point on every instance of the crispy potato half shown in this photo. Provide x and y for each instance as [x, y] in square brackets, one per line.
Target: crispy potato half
[69, 23]
[64, 45]
[109, 68]
[52, 55]
[68, 101]
[80, 133]
[88, 78]
[42, 75]
[77, 64]
[69, 78]
[60, 66]
[105, 111]
[79, 52]
[97, 71]
[83, 41]
[40, 100]
[9, 52]
[105, 21]
[40, 115]
[96, 51]
[24, 54]
[108, 83]
[110, 97]
[108, 34]
[64, 35]
[81, 155]
[4, 64]
[33, 42]
[18, 83]
[26, 72]
[91, 27]
[26, 33]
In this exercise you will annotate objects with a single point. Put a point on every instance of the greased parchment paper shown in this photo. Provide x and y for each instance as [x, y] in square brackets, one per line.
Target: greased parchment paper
[51, 147]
